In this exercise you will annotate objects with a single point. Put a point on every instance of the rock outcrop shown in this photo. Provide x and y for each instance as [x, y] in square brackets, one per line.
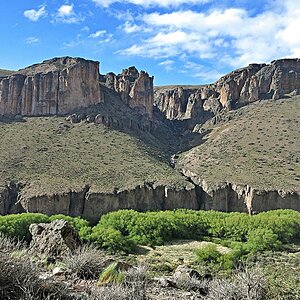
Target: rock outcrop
[135, 88]
[231, 197]
[238, 88]
[91, 204]
[54, 239]
[56, 86]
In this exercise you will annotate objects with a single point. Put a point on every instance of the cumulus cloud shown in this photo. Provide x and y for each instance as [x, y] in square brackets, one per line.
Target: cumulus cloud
[34, 15]
[66, 14]
[229, 37]
[148, 3]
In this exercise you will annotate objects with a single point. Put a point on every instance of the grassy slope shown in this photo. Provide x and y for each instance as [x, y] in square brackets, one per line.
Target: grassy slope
[260, 147]
[5, 72]
[35, 152]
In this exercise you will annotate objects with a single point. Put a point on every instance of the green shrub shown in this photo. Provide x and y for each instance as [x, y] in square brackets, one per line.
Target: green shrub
[208, 254]
[17, 225]
[112, 239]
[262, 239]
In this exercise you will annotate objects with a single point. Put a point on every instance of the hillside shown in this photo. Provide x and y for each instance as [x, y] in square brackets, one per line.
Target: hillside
[76, 142]
[253, 150]
[5, 72]
[50, 157]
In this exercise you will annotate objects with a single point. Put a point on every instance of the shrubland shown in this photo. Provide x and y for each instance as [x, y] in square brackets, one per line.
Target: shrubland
[247, 240]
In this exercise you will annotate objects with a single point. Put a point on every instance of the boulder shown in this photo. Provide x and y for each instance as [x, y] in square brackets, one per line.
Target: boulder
[184, 272]
[54, 239]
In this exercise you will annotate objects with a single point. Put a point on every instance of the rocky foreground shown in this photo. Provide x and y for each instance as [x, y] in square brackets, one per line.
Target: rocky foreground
[109, 142]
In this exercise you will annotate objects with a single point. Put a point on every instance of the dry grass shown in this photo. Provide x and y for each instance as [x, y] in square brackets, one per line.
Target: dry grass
[165, 259]
[258, 146]
[53, 156]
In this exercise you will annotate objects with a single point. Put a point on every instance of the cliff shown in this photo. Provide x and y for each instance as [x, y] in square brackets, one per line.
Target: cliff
[135, 89]
[55, 86]
[236, 89]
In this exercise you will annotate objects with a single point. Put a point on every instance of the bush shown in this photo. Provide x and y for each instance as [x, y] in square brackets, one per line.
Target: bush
[86, 263]
[208, 254]
[247, 284]
[17, 225]
[19, 280]
[155, 228]
[263, 239]
[9, 244]
[112, 240]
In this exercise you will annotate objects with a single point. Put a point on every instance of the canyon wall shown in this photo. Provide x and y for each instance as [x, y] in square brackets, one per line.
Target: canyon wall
[90, 204]
[230, 197]
[135, 89]
[62, 85]
[238, 88]
[56, 86]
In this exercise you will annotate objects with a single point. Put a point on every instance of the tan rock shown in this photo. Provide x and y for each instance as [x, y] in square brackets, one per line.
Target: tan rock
[56, 86]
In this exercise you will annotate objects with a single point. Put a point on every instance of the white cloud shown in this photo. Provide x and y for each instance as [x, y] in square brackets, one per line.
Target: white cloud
[66, 14]
[131, 28]
[231, 37]
[32, 40]
[167, 64]
[34, 15]
[97, 34]
[102, 36]
[65, 10]
[148, 3]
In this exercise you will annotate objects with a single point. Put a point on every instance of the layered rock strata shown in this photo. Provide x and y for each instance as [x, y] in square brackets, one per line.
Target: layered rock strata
[238, 88]
[56, 86]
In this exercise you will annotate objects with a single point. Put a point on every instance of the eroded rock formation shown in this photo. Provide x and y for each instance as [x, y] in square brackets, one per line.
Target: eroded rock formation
[91, 204]
[231, 197]
[135, 88]
[55, 86]
[54, 239]
[238, 88]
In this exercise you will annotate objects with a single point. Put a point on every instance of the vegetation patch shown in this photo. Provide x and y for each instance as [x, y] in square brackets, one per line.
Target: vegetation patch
[257, 145]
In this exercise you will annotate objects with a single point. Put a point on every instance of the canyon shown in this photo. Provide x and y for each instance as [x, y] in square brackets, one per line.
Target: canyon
[58, 117]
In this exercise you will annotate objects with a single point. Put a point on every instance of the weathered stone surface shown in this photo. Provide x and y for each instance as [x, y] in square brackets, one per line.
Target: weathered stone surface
[91, 204]
[54, 239]
[238, 88]
[184, 272]
[56, 86]
[135, 88]
[231, 197]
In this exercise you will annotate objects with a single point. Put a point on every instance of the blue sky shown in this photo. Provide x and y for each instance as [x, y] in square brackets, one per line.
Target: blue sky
[177, 41]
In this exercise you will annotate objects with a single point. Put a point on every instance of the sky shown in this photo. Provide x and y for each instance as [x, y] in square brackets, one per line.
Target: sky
[176, 41]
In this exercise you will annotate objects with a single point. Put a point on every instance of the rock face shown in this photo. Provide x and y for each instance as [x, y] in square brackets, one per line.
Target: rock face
[56, 86]
[238, 88]
[231, 197]
[54, 239]
[91, 204]
[135, 88]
